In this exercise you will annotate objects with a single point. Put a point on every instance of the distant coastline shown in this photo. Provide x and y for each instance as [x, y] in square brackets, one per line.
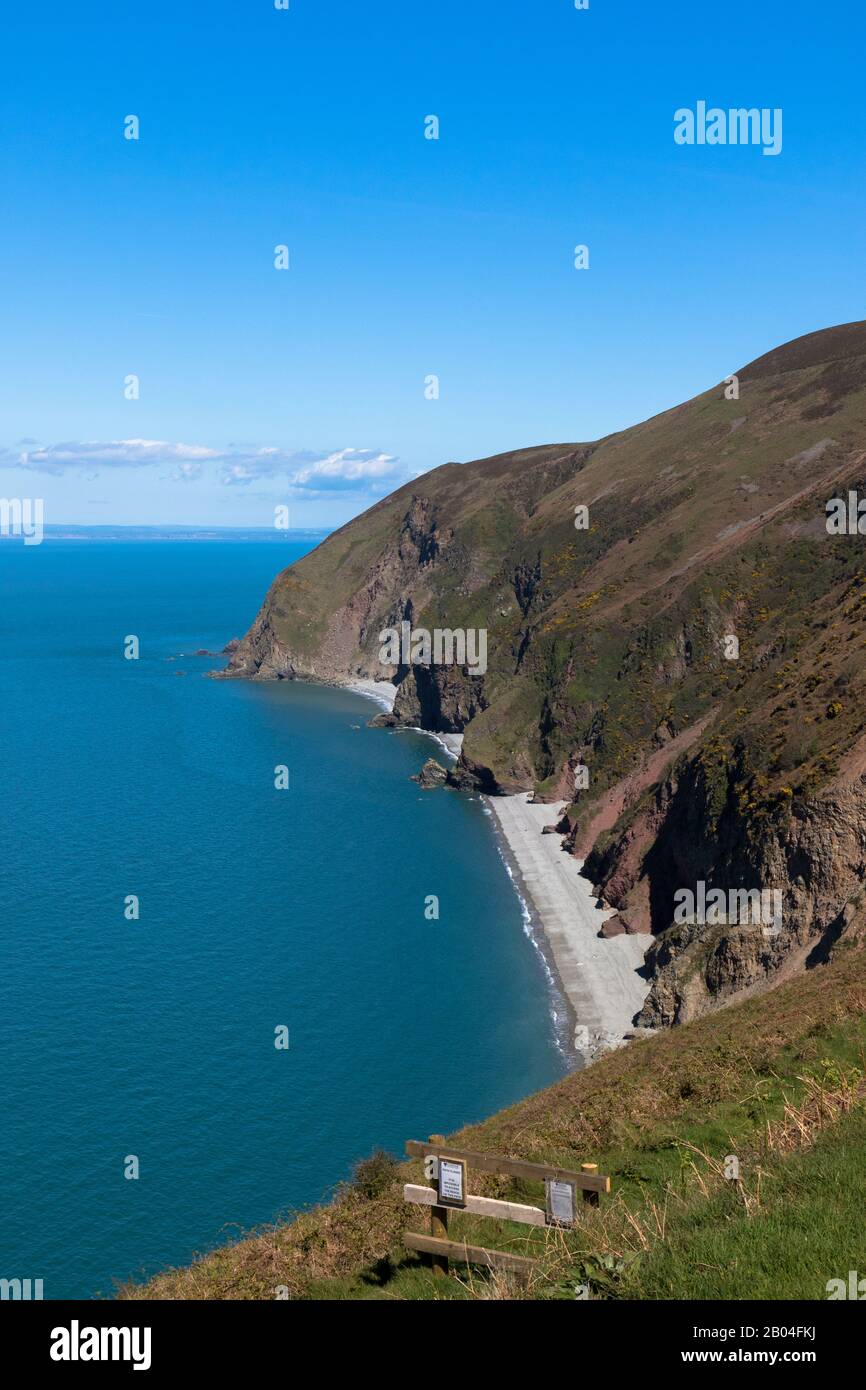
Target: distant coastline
[269, 534]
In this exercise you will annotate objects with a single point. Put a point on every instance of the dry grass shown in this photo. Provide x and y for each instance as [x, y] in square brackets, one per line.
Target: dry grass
[823, 1105]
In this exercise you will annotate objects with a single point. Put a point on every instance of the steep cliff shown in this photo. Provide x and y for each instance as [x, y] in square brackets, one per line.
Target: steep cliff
[675, 646]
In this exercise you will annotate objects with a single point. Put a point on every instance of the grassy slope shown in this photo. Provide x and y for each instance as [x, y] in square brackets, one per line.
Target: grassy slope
[776, 1080]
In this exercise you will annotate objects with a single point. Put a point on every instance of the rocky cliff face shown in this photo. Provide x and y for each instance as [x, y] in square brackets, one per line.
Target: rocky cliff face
[676, 646]
[693, 829]
[295, 636]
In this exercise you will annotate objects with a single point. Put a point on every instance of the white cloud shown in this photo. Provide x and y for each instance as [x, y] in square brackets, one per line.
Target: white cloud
[346, 470]
[365, 472]
[112, 453]
[186, 473]
[346, 467]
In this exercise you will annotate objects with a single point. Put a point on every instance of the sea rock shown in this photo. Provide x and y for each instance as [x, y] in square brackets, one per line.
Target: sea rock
[385, 720]
[432, 774]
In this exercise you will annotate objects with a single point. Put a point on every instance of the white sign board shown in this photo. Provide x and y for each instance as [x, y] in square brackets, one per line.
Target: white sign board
[560, 1202]
[452, 1181]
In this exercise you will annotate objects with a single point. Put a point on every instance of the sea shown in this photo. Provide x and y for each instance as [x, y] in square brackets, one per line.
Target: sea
[239, 948]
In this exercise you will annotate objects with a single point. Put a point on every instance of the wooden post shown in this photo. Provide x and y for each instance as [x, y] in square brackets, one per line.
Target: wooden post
[590, 1198]
[439, 1221]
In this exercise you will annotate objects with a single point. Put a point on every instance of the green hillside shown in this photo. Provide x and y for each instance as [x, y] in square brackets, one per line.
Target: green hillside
[698, 650]
[705, 520]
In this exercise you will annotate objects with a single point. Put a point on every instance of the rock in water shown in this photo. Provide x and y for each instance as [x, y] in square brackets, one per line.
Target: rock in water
[432, 774]
[385, 720]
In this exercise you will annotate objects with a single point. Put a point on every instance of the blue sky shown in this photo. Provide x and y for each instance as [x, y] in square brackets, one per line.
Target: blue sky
[408, 257]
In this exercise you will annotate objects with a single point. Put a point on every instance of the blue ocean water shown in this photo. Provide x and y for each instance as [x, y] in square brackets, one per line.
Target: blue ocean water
[258, 908]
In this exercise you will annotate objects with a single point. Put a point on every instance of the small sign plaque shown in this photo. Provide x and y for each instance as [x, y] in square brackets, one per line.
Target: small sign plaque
[452, 1182]
[560, 1202]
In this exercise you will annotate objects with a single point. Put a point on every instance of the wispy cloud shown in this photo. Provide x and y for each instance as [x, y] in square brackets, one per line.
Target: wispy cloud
[305, 472]
[186, 473]
[346, 469]
[110, 453]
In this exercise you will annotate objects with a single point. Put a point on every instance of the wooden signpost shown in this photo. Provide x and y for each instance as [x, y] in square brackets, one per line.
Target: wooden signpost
[447, 1167]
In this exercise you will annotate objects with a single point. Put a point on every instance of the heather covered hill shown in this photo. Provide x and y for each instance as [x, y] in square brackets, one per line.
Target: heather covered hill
[610, 647]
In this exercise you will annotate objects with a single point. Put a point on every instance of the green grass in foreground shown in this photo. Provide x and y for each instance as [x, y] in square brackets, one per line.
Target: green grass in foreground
[777, 1081]
[808, 1229]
